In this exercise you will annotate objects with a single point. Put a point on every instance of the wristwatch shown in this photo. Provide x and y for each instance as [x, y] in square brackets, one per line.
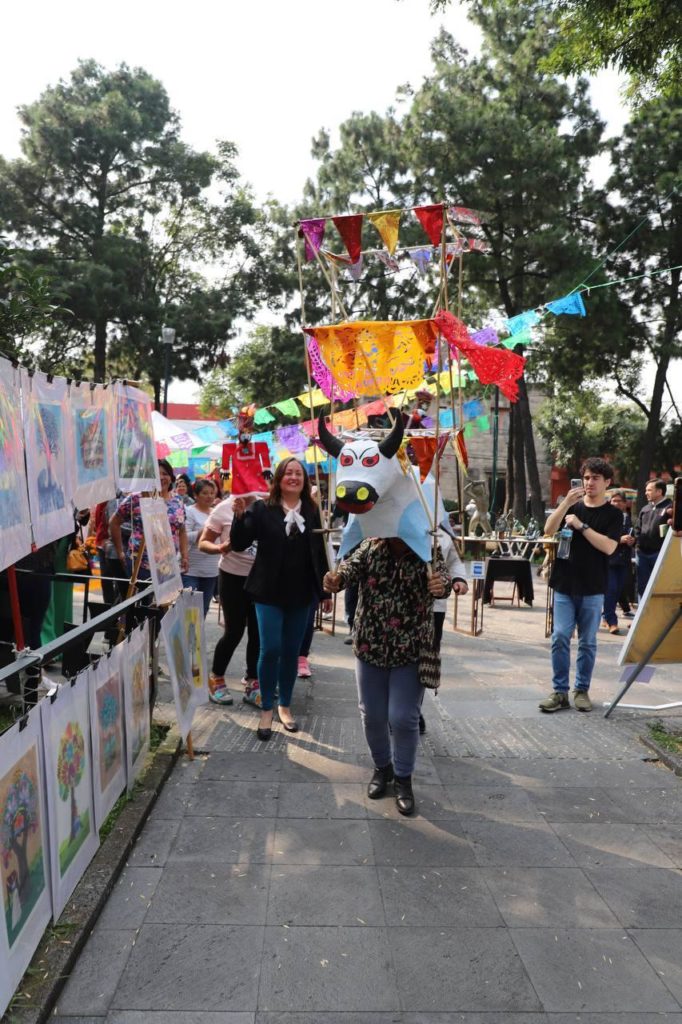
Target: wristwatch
[584, 526]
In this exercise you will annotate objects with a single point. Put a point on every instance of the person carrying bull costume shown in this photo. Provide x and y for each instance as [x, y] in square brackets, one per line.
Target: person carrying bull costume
[397, 587]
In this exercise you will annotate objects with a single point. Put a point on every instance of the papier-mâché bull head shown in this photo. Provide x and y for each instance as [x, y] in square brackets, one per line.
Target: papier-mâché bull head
[366, 470]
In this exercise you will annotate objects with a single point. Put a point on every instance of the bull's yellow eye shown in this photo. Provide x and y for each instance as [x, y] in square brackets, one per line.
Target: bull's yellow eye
[340, 491]
[363, 493]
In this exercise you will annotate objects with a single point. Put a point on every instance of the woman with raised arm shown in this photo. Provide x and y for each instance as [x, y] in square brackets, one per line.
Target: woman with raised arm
[285, 579]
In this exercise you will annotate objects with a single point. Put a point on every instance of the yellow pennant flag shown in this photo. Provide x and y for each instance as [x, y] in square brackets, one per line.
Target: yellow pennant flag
[313, 454]
[387, 224]
[317, 396]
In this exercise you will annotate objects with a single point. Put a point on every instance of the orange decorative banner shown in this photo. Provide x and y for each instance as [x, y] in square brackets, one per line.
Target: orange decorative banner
[431, 219]
[377, 357]
[388, 225]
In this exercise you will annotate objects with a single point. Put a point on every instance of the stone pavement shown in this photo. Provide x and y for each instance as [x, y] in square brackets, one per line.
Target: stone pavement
[538, 884]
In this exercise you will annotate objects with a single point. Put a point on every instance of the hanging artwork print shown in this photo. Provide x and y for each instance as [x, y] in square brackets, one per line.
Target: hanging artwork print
[15, 529]
[24, 862]
[68, 773]
[92, 423]
[136, 466]
[192, 606]
[135, 661]
[163, 559]
[107, 726]
[49, 456]
[174, 627]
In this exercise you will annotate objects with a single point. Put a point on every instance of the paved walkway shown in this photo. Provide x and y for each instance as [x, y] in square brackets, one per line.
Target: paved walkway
[538, 884]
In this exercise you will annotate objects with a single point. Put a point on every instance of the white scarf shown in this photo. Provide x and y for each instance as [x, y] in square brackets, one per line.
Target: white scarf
[293, 517]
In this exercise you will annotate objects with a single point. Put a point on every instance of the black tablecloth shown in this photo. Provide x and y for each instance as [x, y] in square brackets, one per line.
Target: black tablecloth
[510, 570]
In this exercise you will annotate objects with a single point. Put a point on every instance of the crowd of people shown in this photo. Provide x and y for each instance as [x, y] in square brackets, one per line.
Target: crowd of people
[267, 560]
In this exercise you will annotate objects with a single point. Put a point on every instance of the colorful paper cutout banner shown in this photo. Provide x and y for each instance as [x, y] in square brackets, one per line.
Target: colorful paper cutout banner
[492, 365]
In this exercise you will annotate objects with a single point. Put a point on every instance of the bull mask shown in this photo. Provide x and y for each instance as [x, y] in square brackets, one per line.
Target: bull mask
[388, 447]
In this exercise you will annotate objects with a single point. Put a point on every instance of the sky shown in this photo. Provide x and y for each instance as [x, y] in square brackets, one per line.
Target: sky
[264, 74]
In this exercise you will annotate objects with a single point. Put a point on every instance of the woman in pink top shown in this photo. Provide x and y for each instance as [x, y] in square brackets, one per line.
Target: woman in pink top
[238, 610]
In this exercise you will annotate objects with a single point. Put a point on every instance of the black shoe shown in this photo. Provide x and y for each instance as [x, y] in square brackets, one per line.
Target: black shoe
[263, 734]
[378, 784]
[404, 797]
[422, 724]
[349, 640]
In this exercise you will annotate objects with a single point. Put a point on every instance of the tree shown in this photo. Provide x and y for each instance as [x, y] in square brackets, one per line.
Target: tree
[643, 39]
[576, 426]
[19, 820]
[498, 135]
[648, 215]
[26, 308]
[70, 768]
[111, 202]
[267, 368]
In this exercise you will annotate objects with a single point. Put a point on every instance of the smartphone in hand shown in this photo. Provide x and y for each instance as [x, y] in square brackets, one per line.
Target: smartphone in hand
[677, 504]
[576, 482]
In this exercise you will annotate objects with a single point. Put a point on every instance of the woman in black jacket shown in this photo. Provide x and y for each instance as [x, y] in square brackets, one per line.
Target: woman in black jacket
[286, 578]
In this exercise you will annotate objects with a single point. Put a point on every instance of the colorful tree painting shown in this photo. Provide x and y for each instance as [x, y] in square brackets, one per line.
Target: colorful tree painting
[70, 767]
[20, 819]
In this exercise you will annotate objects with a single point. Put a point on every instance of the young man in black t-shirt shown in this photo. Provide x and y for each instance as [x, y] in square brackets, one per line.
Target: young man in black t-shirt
[580, 580]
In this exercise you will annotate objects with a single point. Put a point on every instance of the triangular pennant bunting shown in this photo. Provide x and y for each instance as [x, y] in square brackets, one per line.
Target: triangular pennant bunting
[572, 304]
[431, 219]
[313, 233]
[388, 226]
[350, 229]
[421, 259]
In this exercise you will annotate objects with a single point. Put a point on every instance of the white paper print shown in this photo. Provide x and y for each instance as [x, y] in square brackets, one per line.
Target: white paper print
[49, 456]
[92, 426]
[135, 661]
[136, 465]
[107, 724]
[15, 525]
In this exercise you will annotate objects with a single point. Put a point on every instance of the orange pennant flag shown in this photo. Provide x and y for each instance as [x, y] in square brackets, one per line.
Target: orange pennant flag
[388, 225]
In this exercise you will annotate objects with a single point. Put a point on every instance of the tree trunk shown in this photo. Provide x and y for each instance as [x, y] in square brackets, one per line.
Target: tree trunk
[509, 493]
[537, 505]
[19, 851]
[74, 813]
[653, 425]
[519, 505]
[100, 347]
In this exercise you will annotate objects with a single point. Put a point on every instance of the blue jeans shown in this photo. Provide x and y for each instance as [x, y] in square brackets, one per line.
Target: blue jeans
[569, 612]
[390, 696]
[281, 632]
[616, 581]
[204, 584]
[645, 563]
[307, 641]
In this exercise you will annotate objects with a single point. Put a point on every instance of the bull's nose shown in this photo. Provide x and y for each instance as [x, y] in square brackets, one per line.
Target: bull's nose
[356, 493]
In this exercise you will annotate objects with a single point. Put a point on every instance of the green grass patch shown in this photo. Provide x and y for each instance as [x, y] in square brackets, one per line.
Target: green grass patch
[671, 742]
[158, 733]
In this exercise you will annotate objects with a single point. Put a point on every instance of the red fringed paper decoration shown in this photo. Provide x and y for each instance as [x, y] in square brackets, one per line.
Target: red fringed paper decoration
[424, 449]
[431, 219]
[491, 365]
[350, 229]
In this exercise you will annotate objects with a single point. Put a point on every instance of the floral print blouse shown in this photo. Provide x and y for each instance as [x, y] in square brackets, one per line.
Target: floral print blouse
[129, 511]
[394, 616]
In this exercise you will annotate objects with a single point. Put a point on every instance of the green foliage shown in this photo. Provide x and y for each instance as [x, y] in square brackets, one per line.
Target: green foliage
[267, 368]
[119, 215]
[576, 426]
[26, 308]
[642, 38]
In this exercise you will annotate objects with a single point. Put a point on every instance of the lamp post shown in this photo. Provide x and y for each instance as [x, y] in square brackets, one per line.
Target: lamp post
[168, 337]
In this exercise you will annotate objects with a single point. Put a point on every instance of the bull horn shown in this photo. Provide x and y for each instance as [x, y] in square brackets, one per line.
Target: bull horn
[331, 444]
[390, 445]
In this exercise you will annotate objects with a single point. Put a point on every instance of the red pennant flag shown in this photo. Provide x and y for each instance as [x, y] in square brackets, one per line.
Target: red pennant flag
[431, 219]
[350, 229]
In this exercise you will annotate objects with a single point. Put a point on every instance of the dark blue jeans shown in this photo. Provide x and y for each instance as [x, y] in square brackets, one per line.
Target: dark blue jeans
[390, 696]
[615, 585]
[645, 564]
[281, 632]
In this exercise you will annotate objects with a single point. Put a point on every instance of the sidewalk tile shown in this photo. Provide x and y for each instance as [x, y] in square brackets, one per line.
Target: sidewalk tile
[327, 895]
[488, 804]
[425, 843]
[91, 987]
[244, 766]
[460, 969]
[566, 803]
[611, 846]
[215, 894]
[184, 1017]
[322, 800]
[440, 896]
[204, 841]
[515, 844]
[640, 899]
[599, 971]
[130, 898]
[543, 897]
[667, 838]
[192, 967]
[154, 843]
[314, 968]
[662, 805]
[322, 841]
[663, 950]
[234, 799]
